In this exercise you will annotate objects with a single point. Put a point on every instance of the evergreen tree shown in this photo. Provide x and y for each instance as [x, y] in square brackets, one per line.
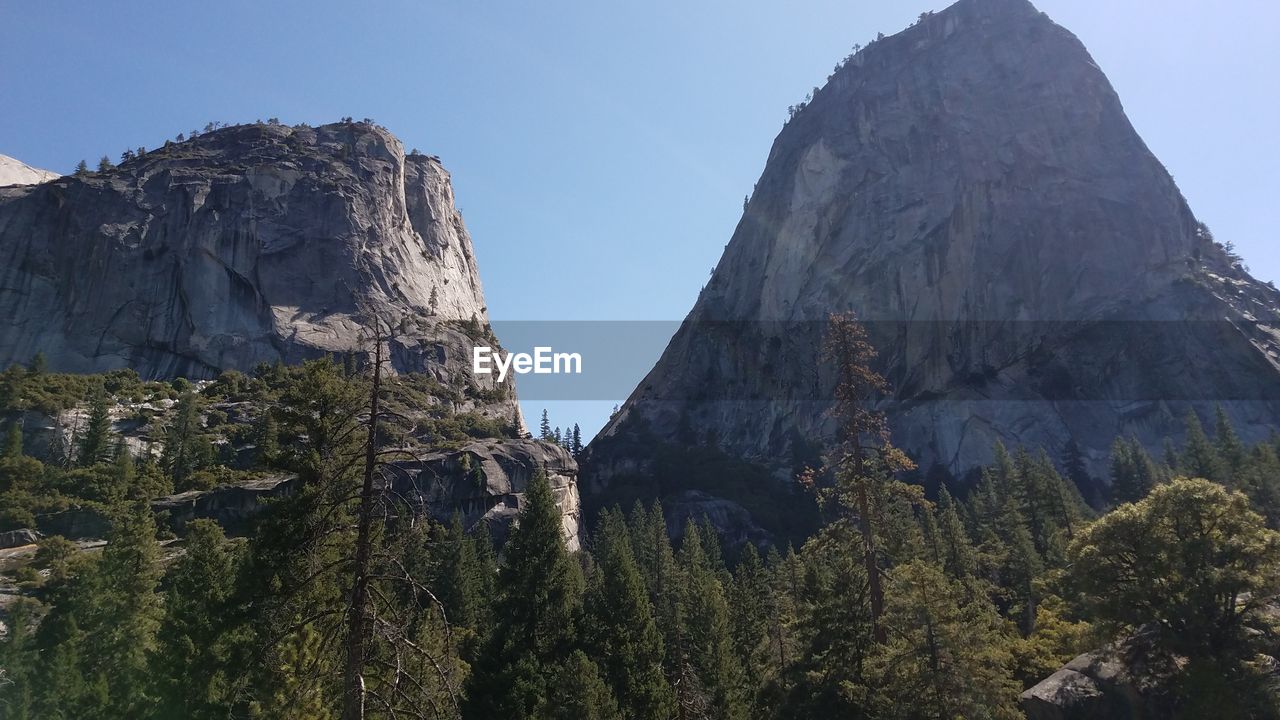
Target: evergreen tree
[575, 443]
[947, 654]
[1078, 473]
[710, 639]
[581, 693]
[1133, 473]
[191, 662]
[18, 657]
[1190, 560]
[127, 610]
[1230, 449]
[1200, 459]
[186, 449]
[749, 603]
[96, 442]
[958, 559]
[622, 632]
[866, 459]
[466, 577]
[105, 164]
[544, 428]
[540, 591]
[82, 169]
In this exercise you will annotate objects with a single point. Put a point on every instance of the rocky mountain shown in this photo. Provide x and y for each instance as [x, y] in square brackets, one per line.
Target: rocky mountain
[255, 244]
[244, 245]
[16, 172]
[1029, 271]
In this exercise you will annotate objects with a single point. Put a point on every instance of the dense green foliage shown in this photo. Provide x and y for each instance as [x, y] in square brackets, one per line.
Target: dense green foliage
[985, 590]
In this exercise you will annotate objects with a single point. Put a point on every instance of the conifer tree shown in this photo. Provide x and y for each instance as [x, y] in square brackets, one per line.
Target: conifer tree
[1200, 459]
[18, 662]
[580, 693]
[96, 442]
[1230, 449]
[866, 459]
[127, 609]
[544, 428]
[749, 603]
[575, 444]
[622, 632]
[706, 617]
[1133, 473]
[958, 559]
[105, 164]
[192, 659]
[186, 449]
[540, 591]
[947, 654]
[82, 169]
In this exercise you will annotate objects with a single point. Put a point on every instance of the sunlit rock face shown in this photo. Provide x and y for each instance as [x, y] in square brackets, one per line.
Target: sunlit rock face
[1029, 272]
[247, 244]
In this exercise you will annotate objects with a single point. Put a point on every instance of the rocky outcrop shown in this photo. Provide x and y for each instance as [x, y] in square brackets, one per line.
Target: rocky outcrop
[484, 482]
[18, 538]
[248, 244]
[16, 172]
[231, 506]
[1029, 272]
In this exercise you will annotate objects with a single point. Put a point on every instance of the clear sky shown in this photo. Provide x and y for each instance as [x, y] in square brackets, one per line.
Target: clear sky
[600, 150]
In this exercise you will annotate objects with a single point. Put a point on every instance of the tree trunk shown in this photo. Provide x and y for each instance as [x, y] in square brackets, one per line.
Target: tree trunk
[358, 630]
[869, 545]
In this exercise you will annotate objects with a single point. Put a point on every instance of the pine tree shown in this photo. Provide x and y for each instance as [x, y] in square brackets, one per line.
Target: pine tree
[958, 558]
[622, 632]
[866, 457]
[1227, 443]
[947, 654]
[1200, 458]
[710, 636]
[544, 428]
[1078, 473]
[749, 603]
[128, 609]
[12, 442]
[1133, 473]
[575, 445]
[105, 164]
[18, 658]
[465, 583]
[540, 591]
[580, 693]
[82, 169]
[96, 442]
[192, 658]
[186, 449]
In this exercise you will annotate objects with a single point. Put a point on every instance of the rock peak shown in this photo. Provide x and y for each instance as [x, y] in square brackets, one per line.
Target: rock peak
[1029, 271]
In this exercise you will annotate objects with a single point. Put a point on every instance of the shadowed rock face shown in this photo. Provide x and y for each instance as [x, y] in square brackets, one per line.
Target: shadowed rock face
[1029, 271]
[485, 482]
[249, 244]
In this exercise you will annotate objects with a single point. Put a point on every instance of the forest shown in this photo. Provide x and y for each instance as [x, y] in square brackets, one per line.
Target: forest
[342, 604]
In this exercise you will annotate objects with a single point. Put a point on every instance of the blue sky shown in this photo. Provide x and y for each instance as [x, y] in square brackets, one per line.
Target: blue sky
[601, 151]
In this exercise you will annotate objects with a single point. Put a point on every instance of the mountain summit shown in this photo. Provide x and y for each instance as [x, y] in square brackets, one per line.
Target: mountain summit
[1030, 273]
[246, 244]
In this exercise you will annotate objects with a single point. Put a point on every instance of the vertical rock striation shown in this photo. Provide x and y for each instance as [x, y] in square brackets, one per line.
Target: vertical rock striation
[1029, 271]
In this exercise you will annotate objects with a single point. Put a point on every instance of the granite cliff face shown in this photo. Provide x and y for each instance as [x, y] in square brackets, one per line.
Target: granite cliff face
[262, 243]
[249, 244]
[972, 189]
